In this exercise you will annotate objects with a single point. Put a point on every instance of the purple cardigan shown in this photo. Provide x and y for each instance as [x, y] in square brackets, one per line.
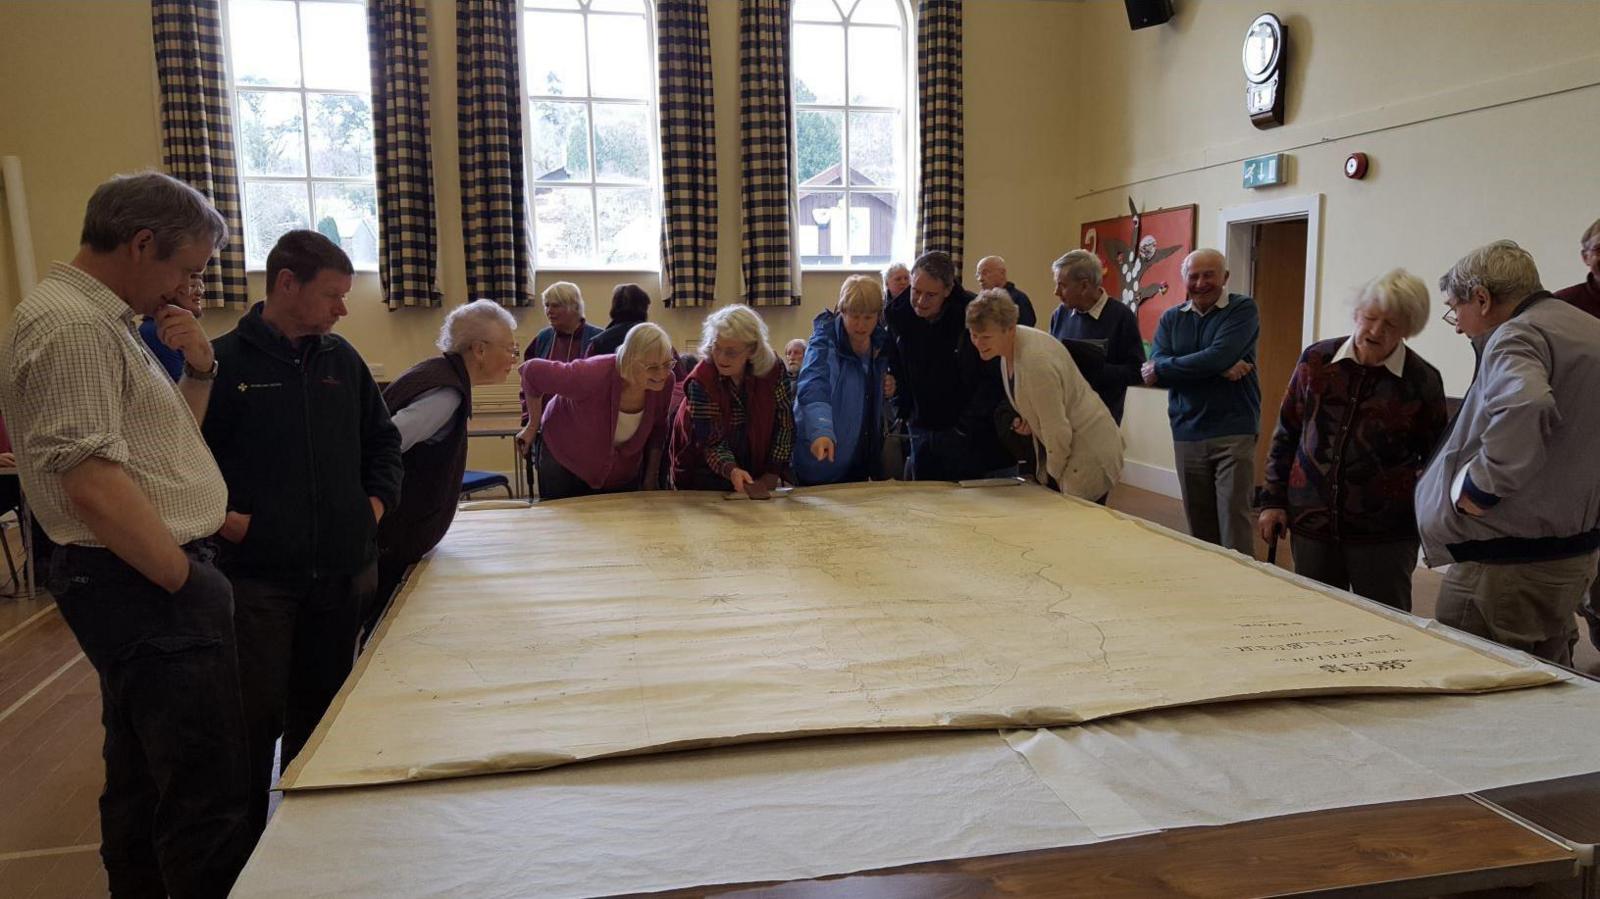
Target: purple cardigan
[581, 420]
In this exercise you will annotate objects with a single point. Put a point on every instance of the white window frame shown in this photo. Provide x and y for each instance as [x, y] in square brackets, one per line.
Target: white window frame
[904, 218]
[308, 180]
[652, 107]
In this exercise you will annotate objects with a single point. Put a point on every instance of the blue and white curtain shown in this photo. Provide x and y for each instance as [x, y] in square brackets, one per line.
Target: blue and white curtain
[197, 127]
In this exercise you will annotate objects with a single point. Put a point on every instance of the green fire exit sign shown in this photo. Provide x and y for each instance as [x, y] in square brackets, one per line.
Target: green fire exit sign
[1264, 171]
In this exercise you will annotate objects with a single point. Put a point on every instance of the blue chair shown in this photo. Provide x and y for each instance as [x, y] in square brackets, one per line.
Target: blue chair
[475, 481]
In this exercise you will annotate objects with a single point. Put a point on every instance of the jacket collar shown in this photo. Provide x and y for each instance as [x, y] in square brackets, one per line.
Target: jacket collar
[255, 328]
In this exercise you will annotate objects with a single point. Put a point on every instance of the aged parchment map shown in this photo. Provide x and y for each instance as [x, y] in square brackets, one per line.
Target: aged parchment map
[615, 625]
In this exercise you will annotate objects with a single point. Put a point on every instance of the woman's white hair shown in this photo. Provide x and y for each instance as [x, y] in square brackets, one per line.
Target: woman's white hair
[1399, 293]
[564, 293]
[471, 322]
[741, 324]
[895, 267]
[645, 343]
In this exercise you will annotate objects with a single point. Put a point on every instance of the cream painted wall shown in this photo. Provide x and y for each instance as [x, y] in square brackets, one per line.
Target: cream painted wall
[1480, 119]
[1068, 112]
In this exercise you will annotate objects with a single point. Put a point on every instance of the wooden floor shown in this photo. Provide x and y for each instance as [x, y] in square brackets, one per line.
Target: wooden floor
[50, 767]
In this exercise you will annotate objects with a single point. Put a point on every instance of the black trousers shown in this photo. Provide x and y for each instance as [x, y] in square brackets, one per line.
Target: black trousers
[297, 643]
[173, 813]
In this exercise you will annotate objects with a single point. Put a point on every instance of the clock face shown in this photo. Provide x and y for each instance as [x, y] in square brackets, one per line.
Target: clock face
[1263, 44]
[1351, 166]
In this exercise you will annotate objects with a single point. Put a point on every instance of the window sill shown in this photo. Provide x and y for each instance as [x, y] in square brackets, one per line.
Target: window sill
[863, 269]
[593, 270]
[360, 270]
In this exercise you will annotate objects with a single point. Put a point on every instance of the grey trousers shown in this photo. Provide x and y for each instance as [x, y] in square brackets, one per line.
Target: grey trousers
[1379, 571]
[1215, 477]
[1526, 605]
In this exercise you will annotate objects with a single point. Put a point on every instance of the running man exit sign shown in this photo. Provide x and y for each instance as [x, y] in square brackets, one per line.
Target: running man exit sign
[1264, 171]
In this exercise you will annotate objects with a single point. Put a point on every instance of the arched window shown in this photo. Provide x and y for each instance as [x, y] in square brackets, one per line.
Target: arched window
[591, 138]
[850, 61]
[302, 87]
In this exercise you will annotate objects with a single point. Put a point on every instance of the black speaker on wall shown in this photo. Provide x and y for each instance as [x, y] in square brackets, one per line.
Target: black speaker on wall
[1144, 13]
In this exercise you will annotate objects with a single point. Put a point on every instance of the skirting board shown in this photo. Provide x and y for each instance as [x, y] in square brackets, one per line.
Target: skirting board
[1151, 477]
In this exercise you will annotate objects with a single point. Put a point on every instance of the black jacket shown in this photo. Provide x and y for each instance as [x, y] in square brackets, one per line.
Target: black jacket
[942, 381]
[303, 438]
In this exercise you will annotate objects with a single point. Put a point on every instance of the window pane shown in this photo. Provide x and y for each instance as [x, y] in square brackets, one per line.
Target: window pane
[564, 224]
[622, 57]
[874, 141]
[815, 11]
[270, 210]
[263, 48]
[555, 55]
[824, 212]
[818, 62]
[271, 133]
[630, 231]
[334, 36]
[348, 215]
[819, 145]
[341, 135]
[877, 66]
[621, 143]
[617, 6]
[883, 12]
[559, 148]
[553, 4]
[872, 221]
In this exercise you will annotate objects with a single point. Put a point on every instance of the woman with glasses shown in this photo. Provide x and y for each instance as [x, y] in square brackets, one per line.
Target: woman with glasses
[735, 429]
[430, 404]
[605, 424]
[1361, 417]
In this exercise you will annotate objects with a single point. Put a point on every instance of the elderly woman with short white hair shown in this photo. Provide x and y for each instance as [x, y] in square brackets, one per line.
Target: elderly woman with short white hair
[606, 424]
[1360, 418]
[1077, 444]
[735, 429]
[430, 404]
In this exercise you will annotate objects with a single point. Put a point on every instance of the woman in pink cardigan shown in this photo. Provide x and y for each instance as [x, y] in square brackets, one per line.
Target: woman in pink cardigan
[605, 425]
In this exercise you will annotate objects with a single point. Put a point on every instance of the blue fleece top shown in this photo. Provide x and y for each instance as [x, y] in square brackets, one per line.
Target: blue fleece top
[1191, 351]
[839, 396]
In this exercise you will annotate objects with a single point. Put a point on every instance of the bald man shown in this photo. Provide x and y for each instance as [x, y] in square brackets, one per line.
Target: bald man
[1204, 355]
[992, 274]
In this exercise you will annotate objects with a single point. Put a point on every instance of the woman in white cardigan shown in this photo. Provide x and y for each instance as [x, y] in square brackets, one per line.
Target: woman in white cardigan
[1078, 444]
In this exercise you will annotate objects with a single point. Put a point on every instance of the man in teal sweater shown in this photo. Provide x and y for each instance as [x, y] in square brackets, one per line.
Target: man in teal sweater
[1205, 355]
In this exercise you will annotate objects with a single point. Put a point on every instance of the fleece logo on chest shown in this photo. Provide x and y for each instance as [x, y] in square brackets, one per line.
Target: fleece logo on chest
[266, 385]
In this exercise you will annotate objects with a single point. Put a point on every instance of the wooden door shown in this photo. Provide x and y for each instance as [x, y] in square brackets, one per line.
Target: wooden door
[1278, 283]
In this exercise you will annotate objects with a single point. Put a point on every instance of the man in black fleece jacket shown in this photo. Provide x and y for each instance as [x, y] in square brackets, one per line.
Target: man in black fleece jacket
[301, 434]
[945, 392]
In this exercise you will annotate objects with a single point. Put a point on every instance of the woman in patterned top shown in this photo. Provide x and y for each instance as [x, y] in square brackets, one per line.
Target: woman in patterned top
[735, 429]
[1361, 417]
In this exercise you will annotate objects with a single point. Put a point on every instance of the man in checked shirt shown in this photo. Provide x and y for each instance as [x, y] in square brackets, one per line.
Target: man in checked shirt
[110, 454]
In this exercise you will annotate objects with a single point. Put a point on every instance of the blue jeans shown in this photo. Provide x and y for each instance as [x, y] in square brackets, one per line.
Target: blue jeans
[172, 816]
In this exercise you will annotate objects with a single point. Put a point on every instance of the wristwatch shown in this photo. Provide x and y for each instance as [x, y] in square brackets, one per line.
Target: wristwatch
[195, 374]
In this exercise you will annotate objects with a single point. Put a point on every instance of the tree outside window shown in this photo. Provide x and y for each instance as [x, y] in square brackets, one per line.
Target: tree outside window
[589, 73]
[850, 61]
[302, 87]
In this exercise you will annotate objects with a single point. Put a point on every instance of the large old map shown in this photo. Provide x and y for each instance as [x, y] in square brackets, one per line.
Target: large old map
[617, 625]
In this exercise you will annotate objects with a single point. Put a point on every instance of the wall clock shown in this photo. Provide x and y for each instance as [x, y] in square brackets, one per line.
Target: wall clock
[1264, 57]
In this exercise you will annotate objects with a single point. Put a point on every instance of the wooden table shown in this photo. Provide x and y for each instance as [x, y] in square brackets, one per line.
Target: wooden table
[1421, 848]
[1567, 809]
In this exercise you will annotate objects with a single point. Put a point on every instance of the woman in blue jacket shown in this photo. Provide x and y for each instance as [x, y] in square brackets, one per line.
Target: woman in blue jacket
[843, 384]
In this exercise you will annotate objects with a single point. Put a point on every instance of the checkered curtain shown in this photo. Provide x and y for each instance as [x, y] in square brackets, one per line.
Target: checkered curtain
[688, 154]
[494, 211]
[768, 263]
[941, 201]
[408, 256]
[197, 127]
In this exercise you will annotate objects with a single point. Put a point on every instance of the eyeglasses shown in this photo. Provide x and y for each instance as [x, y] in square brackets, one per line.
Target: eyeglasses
[1450, 316]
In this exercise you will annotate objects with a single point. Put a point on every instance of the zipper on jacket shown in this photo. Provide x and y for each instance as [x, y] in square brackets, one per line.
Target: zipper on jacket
[303, 363]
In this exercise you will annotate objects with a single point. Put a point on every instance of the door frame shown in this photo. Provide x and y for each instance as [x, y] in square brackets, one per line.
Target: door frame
[1235, 225]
